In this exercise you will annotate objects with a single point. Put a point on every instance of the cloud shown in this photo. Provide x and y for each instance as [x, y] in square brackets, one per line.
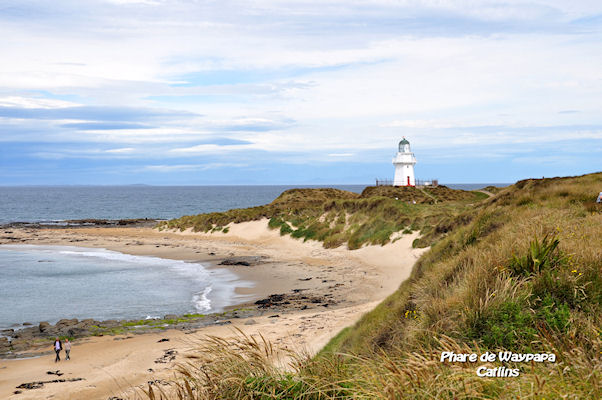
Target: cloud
[204, 149]
[123, 150]
[33, 102]
[251, 125]
[91, 113]
[190, 167]
[297, 81]
[100, 126]
[340, 155]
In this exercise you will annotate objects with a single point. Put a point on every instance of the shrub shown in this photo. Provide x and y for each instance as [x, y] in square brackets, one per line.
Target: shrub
[505, 326]
[556, 316]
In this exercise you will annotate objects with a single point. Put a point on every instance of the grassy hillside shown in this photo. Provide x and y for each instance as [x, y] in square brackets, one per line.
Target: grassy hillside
[530, 262]
[521, 271]
[336, 217]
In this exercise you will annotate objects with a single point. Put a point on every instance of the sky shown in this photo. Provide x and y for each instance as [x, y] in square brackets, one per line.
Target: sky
[297, 92]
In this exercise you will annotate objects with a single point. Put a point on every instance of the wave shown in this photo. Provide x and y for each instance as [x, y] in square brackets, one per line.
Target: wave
[201, 300]
[193, 270]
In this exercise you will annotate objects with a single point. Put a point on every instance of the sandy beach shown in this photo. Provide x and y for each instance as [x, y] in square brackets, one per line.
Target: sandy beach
[350, 282]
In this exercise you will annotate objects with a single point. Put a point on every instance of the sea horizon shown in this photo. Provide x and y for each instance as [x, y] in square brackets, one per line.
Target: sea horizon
[499, 184]
[55, 203]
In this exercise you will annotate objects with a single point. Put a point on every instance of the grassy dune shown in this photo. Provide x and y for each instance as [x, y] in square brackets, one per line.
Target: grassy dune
[337, 217]
[521, 271]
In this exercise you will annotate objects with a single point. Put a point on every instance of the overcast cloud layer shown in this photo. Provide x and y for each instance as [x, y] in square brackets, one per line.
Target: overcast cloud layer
[238, 92]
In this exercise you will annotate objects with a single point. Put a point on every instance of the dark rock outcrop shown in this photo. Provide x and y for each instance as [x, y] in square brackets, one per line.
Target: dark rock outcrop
[44, 326]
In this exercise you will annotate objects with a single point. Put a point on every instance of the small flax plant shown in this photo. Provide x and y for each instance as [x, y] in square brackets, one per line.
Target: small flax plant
[541, 255]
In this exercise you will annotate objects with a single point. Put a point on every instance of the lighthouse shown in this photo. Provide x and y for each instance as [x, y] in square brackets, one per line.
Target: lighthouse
[404, 165]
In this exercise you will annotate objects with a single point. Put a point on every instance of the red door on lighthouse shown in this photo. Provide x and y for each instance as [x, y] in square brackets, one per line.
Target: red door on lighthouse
[408, 181]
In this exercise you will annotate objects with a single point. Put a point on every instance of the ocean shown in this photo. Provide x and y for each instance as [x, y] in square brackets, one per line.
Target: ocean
[58, 203]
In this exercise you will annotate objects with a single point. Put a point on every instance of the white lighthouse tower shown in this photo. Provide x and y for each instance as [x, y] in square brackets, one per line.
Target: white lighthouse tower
[404, 165]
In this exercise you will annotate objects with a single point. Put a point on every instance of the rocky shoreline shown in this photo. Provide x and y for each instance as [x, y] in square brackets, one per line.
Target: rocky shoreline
[84, 223]
[28, 340]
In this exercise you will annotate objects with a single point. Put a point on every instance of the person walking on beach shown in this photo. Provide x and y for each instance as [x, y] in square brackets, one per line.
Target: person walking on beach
[57, 349]
[67, 349]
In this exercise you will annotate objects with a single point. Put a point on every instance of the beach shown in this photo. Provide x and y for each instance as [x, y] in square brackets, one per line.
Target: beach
[318, 292]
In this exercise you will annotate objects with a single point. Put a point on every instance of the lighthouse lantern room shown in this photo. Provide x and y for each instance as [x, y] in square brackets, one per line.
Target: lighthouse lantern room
[404, 165]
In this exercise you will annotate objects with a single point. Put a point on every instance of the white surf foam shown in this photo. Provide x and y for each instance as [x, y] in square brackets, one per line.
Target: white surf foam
[201, 300]
[196, 271]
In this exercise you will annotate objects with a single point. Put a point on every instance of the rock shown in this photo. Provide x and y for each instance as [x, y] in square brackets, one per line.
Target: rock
[27, 323]
[163, 340]
[168, 356]
[250, 322]
[170, 316]
[24, 333]
[77, 332]
[22, 344]
[272, 300]
[7, 331]
[86, 323]
[44, 326]
[39, 384]
[247, 261]
[111, 323]
[234, 262]
[4, 345]
[66, 322]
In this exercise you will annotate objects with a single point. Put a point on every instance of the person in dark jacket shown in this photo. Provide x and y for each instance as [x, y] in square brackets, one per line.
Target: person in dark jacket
[58, 346]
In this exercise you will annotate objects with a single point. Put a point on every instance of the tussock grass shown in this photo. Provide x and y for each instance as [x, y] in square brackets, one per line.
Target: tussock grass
[248, 368]
[521, 271]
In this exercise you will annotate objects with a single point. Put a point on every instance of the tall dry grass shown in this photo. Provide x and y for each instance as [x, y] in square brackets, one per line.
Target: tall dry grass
[247, 368]
[490, 282]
